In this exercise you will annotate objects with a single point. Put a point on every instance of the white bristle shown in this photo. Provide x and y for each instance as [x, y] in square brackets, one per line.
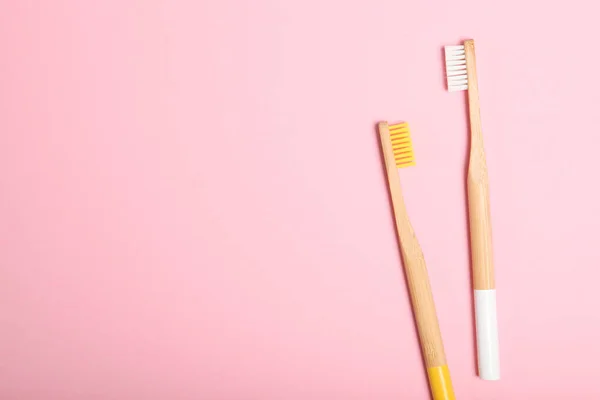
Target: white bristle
[456, 68]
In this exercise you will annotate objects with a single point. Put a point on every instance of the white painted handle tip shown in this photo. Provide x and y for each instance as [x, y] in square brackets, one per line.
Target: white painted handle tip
[486, 322]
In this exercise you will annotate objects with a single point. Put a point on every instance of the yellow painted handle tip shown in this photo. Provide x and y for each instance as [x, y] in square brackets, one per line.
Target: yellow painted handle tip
[440, 383]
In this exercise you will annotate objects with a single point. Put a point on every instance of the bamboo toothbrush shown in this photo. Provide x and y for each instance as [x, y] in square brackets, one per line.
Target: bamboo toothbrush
[462, 75]
[398, 153]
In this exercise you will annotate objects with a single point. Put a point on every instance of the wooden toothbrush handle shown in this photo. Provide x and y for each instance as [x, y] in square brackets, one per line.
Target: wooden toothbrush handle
[421, 297]
[414, 263]
[477, 185]
[481, 231]
[486, 320]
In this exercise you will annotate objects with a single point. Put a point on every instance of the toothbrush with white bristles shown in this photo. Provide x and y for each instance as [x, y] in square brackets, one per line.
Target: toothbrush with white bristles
[462, 75]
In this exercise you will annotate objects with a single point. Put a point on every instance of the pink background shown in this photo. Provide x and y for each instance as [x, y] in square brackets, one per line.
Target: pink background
[193, 204]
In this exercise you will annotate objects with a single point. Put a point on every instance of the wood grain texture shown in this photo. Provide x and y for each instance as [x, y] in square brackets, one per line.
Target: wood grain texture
[478, 186]
[414, 264]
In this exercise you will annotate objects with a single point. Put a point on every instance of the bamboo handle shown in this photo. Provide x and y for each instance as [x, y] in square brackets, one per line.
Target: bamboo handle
[414, 264]
[488, 358]
[477, 186]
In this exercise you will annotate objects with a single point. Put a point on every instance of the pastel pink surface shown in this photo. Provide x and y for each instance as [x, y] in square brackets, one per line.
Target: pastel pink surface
[193, 202]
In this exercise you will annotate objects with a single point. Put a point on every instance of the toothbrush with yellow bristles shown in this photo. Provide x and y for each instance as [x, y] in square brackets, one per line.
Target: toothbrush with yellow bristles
[398, 153]
[462, 75]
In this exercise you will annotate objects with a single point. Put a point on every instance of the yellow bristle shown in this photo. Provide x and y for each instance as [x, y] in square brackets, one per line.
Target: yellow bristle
[402, 145]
